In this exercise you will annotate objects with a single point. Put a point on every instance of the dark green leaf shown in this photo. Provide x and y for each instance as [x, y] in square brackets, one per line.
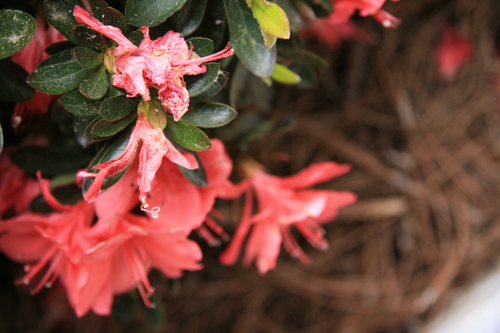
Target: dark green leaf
[150, 12]
[57, 158]
[246, 37]
[97, 7]
[111, 150]
[209, 115]
[79, 126]
[117, 107]
[79, 105]
[213, 89]
[60, 15]
[114, 91]
[187, 20]
[16, 30]
[214, 25]
[13, 86]
[95, 86]
[90, 135]
[104, 128]
[57, 58]
[58, 78]
[136, 37]
[198, 176]
[59, 47]
[196, 84]
[187, 135]
[86, 57]
[85, 36]
[202, 46]
[111, 16]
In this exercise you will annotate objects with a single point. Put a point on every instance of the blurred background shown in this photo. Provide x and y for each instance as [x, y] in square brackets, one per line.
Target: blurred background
[425, 150]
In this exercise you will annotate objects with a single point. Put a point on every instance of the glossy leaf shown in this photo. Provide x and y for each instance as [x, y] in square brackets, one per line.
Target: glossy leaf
[59, 77]
[105, 128]
[272, 18]
[247, 40]
[79, 126]
[197, 84]
[13, 86]
[86, 36]
[111, 16]
[283, 75]
[189, 17]
[197, 176]
[117, 107]
[187, 135]
[214, 25]
[80, 105]
[90, 135]
[150, 13]
[86, 57]
[222, 79]
[202, 46]
[209, 115]
[97, 7]
[111, 149]
[95, 86]
[16, 30]
[60, 15]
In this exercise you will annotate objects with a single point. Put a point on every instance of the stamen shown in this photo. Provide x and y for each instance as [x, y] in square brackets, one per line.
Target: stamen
[33, 270]
[291, 245]
[226, 52]
[136, 267]
[155, 211]
[217, 229]
[314, 237]
[205, 234]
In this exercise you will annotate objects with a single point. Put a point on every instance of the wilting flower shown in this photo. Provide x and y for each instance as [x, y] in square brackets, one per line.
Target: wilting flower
[160, 63]
[284, 202]
[453, 51]
[153, 147]
[28, 58]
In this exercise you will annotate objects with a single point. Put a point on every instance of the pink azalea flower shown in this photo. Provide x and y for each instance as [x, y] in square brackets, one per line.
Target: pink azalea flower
[454, 50]
[17, 189]
[284, 202]
[28, 58]
[160, 63]
[153, 147]
[344, 9]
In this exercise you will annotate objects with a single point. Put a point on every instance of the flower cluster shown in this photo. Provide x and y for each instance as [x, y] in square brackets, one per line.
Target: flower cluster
[339, 26]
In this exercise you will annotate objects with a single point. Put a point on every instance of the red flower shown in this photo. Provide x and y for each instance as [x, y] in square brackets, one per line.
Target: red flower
[28, 58]
[282, 204]
[453, 51]
[153, 147]
[160, 63]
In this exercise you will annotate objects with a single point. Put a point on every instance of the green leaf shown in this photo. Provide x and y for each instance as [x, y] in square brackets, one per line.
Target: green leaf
[111, 150]
[79, 126]
[209, 115]
[214, 25]
[272, 18]
[202, 46]
[97, 7]
[86, 36]
[86, 57]
[246, 37]
[95, 86]
[16, 30]
[58, 157]
[222, 79]
[269, 40]
[283, 75]
[90, 135]
[189, 17]
[296, 22]
[103, 128]
[57, 78]
[187, 135]
[111, 16]
[150, 13]
[13, 86]
[196, 84]
[60, 15]
[117, 107]
[79, 105]
[198, 176]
